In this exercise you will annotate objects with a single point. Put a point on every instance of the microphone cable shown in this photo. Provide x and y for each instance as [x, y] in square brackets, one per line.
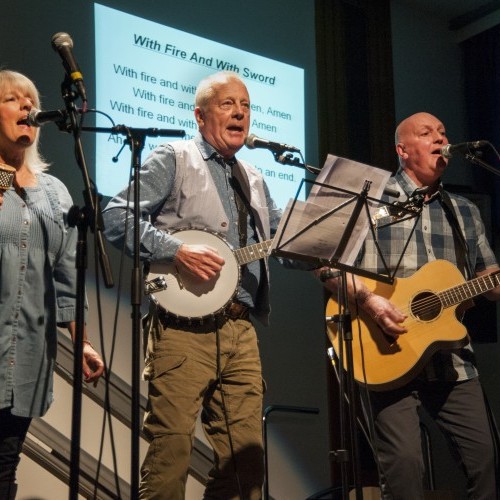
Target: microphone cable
[107, 417]
[224, 410]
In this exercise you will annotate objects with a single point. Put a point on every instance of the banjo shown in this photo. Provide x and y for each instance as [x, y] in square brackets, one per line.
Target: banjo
[186, 296]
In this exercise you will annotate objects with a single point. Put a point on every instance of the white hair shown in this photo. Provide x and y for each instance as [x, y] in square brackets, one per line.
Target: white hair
[208, 86]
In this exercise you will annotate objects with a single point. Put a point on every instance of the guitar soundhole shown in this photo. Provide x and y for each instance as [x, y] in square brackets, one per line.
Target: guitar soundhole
[426, 306]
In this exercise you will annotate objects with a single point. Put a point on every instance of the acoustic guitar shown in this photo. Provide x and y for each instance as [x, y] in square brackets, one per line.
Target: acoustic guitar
[429, 298]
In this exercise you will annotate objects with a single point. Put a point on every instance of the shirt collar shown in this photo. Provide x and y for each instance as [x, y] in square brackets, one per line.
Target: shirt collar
[409, 186]
[208, 152]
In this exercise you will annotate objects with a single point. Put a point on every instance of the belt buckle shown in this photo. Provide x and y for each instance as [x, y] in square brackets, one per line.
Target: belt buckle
[235, 310]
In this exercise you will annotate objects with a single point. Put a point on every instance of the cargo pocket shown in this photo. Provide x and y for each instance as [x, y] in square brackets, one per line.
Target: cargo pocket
[156, 367]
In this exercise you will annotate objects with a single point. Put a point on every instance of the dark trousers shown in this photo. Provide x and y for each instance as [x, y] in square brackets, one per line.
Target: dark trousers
[13, 431]
[460, 412]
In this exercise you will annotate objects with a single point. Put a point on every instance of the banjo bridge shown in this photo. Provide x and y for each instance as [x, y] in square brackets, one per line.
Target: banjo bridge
[157, 284]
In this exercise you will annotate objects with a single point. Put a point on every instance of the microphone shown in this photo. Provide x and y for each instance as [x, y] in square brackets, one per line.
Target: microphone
[36, 117]
[7, 174]
[62, 43]
[450, 150]
[252, 142]
[393, 193]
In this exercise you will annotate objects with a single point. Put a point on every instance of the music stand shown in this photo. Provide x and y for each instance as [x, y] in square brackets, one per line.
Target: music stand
[329, 229]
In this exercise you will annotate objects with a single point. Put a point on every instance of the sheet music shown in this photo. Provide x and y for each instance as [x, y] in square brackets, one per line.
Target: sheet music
[315, 228]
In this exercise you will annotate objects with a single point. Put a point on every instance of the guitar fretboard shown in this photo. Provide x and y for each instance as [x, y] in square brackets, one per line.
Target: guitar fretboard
[469, 289]
[252, 252]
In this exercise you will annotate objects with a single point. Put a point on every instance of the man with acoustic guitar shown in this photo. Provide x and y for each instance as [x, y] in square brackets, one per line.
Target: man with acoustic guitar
[411, 330]
[202, 348]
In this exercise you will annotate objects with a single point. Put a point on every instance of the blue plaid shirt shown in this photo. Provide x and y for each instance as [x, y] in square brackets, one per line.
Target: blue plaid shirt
[431, 239]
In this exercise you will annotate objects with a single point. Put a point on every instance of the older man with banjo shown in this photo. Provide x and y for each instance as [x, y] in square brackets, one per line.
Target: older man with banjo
[204, 215]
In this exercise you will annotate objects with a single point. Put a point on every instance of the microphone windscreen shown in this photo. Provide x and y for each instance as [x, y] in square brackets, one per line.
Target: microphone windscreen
[61, 40]
[7, 174]
[250, 141]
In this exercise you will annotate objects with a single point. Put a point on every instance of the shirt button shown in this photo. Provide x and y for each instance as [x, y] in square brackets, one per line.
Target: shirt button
[224, 224]
[25, 222]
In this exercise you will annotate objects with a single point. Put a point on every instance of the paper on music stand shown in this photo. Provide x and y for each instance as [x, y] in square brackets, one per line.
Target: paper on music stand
[314, 228]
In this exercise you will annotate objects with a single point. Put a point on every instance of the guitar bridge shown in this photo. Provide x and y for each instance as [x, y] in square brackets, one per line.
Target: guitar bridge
[157, 284]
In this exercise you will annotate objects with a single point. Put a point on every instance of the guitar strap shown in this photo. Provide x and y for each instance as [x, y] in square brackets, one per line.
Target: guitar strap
[461, 247]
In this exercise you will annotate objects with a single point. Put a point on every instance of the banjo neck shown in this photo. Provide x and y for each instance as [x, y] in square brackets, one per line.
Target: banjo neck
[252, 252]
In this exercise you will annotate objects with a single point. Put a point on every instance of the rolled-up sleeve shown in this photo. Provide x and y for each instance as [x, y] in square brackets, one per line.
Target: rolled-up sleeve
[156, 183]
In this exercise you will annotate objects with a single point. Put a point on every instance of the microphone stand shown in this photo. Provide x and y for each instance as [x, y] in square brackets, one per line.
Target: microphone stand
[477, 161]
[412, 208]
[343, 319]
[494, 429]
[136, 139]
[88, 216]
[290, 159]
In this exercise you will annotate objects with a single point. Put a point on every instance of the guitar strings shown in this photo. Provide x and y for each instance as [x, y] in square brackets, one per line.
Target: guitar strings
[435, 302]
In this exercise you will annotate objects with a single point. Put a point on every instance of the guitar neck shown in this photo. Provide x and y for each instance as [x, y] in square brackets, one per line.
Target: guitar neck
[469, 289]
[252, 252]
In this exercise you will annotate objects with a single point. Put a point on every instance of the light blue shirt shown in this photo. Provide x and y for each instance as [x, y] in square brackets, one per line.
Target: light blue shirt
[156, 185]
[37, 291]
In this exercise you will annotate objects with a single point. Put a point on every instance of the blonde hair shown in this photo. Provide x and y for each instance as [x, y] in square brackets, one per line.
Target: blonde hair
[12, 80]
[207, 87]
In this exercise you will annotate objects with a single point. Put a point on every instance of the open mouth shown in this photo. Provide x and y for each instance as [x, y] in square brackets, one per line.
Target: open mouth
[23, 121]
[235, 128]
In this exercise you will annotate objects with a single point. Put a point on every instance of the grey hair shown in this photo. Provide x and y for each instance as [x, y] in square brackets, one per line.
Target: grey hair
[208, 86]
[396, 141]
[12, 80]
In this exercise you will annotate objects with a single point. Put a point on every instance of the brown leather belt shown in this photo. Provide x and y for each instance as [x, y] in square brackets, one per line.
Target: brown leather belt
[234, 311]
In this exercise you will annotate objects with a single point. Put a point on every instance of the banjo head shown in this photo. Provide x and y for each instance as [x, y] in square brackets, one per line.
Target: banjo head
[188, 297]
